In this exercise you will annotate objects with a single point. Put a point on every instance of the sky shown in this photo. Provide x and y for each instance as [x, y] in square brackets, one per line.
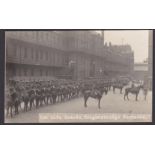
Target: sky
[138, 39]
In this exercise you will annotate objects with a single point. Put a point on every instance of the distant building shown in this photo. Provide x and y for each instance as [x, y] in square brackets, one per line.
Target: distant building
[150, 57]
[140, 71]
[64, 54]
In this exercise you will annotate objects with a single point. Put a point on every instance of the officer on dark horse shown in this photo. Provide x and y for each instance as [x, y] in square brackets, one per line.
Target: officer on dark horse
[95, 93]
[118, 85]
[133, 90]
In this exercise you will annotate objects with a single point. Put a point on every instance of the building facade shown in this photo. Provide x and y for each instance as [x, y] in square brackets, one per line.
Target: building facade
[64, 54]
[140, 71]
[150, 58]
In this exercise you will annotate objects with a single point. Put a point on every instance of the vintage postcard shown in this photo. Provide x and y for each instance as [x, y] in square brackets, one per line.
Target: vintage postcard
[78, 76]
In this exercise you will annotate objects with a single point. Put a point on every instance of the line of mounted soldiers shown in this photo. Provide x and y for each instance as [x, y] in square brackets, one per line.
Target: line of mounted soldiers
[39, 93]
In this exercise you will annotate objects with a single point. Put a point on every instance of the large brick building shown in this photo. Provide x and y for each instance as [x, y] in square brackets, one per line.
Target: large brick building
[65, 54]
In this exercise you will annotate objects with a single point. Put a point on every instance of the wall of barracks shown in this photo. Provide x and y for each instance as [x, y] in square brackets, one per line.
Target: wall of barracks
[65, 54]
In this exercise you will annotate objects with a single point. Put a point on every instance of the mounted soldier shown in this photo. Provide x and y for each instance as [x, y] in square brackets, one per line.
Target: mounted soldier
[14, 99]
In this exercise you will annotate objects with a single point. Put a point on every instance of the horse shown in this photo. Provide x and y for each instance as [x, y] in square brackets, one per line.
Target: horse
[94, 93]
[9, 105]
[31, 94]
[25, 98]
[132, 90]
[12, 103]
[118, 86]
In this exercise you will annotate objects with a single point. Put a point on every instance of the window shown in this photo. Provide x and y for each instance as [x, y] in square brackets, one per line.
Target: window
[32, 52]
[46, 55]
[25, 52]
[41, 54]
[36, 55]
[47, 36]
[32, 72]
[25, 72]
[49, 55]
[40, 72]
[54, 57]
[46, 72]
[36, 35]
[40, 35]
[18, 50]
[15, 71]
[19, 72]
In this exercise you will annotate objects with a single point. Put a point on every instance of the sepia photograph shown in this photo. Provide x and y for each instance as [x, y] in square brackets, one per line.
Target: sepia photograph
[78, 76]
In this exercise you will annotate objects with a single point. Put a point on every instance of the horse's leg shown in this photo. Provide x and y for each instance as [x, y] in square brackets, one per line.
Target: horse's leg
[31, 101]
[99, 103]
[37, 103]
[113, 90]
[26, 105]
[45, 100]
[121, 91]
[136, 96]
[7, 110]
[85, 101]
[16, 107]
[50, 100]
[11, 110]
[20, 105]
[54, 100]
[124, 96]
[40, 101]
[127, 96]
[17, 104]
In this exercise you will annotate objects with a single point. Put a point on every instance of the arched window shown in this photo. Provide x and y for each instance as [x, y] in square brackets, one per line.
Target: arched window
[25, 52]
[36, 55]
[41, 55]
[46, 55]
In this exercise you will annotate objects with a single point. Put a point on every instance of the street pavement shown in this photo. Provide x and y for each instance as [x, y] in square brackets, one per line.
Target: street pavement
[113, 109]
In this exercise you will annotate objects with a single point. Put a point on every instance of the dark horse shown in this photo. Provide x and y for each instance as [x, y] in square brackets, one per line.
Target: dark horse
[118, 86]
[94, 93]
[134, 90]
[12, 103]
